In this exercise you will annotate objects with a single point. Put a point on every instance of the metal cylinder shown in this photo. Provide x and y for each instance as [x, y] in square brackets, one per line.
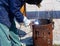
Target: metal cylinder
[43, 33]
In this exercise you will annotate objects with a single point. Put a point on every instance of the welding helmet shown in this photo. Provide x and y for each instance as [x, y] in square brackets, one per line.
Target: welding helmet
[35, 2]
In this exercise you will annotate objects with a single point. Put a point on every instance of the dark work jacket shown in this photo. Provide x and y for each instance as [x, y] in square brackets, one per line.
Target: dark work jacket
[10, 9]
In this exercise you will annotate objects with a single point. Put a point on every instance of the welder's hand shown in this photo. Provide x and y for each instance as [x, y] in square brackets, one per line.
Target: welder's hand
[31, 23]
[27, 22]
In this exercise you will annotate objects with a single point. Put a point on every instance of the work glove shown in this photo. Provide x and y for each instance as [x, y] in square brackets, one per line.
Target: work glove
[27, 22]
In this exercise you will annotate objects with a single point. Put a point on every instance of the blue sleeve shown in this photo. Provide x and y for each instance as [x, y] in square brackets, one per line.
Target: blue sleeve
[15, 6]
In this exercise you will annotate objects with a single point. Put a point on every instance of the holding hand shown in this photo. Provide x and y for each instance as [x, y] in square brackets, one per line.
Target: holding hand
[27, 22]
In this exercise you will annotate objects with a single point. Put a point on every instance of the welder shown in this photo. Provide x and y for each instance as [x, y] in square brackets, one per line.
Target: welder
[10, 9]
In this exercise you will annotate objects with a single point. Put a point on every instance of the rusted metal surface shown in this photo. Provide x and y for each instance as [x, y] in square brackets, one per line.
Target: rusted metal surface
[42, 34]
